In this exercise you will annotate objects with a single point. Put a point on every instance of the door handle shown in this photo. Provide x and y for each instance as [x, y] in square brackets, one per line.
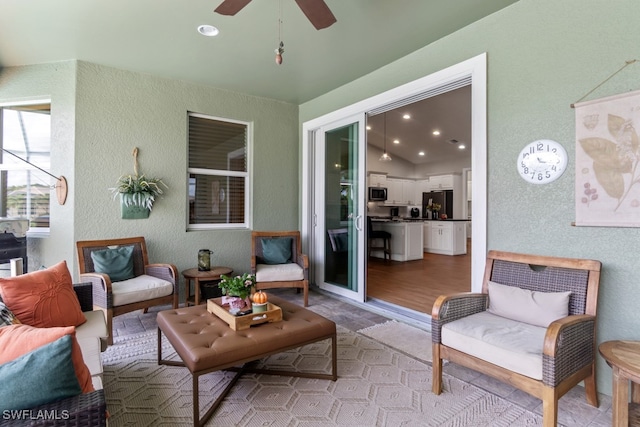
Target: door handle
[357, 223]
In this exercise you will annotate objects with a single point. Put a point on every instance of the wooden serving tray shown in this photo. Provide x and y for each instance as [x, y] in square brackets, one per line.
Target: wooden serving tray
[239, 323]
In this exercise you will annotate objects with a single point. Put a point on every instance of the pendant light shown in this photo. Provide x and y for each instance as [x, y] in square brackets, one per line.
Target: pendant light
[385, 156]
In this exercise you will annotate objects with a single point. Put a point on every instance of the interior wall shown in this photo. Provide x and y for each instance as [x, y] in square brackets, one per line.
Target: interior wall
[55, 81]
[542, 56]
[101, 114]
[397, 168]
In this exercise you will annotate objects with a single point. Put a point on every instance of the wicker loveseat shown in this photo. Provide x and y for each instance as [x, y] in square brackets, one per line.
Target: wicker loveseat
[87, 409]
[515, 331]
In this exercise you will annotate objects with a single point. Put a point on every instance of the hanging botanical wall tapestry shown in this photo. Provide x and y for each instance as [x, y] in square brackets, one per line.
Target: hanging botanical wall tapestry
[607, 161]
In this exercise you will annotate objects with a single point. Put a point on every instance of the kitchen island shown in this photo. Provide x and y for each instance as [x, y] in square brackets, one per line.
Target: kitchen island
[406, 239]
[445, 237]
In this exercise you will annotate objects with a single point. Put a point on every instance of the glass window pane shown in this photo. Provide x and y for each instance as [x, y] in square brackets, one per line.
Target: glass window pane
[24, 190]
[213, 144]
[218, 185]
[216, 199]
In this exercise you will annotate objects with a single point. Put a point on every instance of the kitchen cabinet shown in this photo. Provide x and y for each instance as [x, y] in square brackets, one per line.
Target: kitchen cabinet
[409, 192]
[406, 240]
[448, 237]
[426, 235]
[441, 182]
[422, 186]
[401, 192]
[394, 192]
[377, 180]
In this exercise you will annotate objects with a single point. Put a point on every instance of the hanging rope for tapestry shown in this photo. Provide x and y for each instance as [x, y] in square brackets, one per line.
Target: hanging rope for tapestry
[626, 64]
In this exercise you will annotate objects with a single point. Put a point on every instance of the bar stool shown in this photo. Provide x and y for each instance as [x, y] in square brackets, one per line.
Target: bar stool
[378, 234]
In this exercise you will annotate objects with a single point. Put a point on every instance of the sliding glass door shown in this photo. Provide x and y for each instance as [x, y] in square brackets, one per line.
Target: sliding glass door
[340, 207]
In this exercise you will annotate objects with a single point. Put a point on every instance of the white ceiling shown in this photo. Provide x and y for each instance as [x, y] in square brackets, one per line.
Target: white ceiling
[159, 37]
[449, 113]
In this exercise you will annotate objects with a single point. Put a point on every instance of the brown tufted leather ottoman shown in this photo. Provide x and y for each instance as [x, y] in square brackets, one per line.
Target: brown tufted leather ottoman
[206, 344]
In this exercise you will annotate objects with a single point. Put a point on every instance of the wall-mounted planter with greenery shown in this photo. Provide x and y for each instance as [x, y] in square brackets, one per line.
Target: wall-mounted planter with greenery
[137, 193]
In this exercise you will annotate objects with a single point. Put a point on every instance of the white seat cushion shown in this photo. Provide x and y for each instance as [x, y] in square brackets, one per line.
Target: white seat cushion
[140, 288]
[513, 345]
[95, 326]
[90, 348]
[278, 272]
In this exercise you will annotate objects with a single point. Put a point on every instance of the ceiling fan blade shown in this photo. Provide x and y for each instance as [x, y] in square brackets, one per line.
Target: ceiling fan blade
[231, 7]
[317, 12]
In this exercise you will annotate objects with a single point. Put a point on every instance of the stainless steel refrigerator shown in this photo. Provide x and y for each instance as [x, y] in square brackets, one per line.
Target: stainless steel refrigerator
[444, 198]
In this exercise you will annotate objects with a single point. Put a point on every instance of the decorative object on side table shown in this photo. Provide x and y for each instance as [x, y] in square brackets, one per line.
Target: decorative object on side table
[237, 290]
[137, 192]
[204, 259]
[259, 300]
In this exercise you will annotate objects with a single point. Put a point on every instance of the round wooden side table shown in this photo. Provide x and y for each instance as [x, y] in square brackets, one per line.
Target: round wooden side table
[199, 277]
[624, 359]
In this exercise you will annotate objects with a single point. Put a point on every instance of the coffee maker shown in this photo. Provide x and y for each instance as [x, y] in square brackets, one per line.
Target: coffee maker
[394, 212]
[415, 212]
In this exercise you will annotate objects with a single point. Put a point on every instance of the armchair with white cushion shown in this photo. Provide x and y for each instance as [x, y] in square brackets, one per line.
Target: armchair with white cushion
[278, 262]
[533, 326]
[122, 278]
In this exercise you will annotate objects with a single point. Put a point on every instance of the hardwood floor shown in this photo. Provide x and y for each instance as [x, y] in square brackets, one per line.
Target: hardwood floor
[417, 284]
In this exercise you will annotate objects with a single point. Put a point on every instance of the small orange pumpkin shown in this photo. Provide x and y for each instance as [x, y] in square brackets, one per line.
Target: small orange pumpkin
[259, 297]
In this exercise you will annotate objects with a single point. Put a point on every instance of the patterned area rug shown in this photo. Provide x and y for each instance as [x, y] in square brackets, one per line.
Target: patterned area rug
[377, 386]
[408, 339]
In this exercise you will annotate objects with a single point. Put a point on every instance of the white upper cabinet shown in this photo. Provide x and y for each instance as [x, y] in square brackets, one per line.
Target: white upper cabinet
[441, 182]
[422, 186]
[409, 192]
[377, 180]
[394, 192]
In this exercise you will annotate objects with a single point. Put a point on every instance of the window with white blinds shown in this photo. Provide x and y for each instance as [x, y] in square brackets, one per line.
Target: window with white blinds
[218, 173]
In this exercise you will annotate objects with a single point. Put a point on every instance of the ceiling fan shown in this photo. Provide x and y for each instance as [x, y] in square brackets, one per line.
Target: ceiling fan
[316, 11]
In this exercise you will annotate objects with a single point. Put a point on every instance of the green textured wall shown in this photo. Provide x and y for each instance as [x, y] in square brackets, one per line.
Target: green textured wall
[119, 110]
[542, 56]
[56, 82]
[116, 111]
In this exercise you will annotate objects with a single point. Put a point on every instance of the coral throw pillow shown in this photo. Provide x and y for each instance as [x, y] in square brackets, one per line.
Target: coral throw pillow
[43, 298]
[16, 340]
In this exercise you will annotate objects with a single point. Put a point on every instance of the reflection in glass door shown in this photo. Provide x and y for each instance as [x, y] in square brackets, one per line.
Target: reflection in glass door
[340, 204]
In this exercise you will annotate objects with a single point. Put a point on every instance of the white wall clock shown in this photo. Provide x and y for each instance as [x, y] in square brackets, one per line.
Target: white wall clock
[542, 161]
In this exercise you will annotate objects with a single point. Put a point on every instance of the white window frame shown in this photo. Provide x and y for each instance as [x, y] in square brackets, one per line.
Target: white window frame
[32, 231]
[248, 178]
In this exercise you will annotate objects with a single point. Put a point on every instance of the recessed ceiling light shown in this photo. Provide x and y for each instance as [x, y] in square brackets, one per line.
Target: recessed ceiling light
[436, 132]
[461, 147]
[406, 116]
[208, 30]
[396, 141]
[368, 127]
[421, 153]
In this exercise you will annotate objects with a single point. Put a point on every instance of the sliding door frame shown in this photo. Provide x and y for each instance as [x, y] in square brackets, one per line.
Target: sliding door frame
[474, 69]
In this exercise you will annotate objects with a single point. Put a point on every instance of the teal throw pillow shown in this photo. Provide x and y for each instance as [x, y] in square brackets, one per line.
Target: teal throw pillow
[117, 262]
[277, 250]
[43, 375]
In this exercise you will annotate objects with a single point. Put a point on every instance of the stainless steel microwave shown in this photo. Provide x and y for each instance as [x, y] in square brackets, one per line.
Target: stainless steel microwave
[377, 194]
